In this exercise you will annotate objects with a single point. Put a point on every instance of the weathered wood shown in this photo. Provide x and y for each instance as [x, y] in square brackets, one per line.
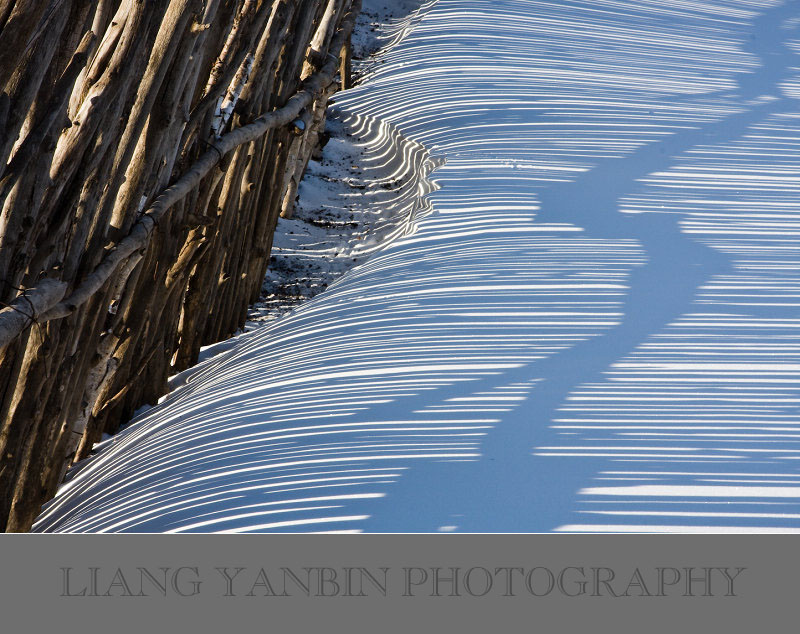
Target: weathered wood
[139, 235]
[346, 70]
[145, 153]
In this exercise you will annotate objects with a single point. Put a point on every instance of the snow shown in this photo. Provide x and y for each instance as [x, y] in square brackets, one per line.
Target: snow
[579, 312]
[350, 203]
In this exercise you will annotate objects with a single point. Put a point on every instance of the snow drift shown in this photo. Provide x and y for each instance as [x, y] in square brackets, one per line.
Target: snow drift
[588, 323]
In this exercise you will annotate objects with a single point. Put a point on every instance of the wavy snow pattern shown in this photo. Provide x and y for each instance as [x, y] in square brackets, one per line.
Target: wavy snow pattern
[591, 327]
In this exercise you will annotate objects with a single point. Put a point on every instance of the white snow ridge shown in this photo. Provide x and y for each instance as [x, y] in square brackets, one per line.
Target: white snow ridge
[586, 321]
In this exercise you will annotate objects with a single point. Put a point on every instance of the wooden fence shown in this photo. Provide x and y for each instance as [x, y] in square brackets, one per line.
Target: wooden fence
[147, 149]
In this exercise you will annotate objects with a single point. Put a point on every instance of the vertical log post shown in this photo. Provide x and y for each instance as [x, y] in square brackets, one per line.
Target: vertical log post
[111, 278]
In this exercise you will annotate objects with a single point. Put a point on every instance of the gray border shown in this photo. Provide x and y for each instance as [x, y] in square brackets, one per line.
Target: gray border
[32, 583]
